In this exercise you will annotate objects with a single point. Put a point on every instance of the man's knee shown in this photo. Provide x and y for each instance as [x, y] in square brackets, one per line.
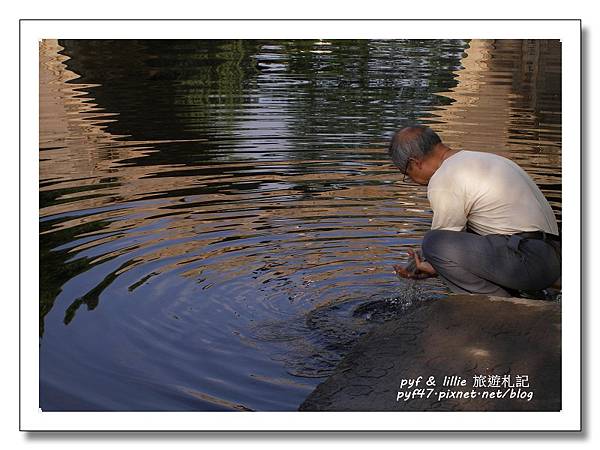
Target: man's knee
[441, 245]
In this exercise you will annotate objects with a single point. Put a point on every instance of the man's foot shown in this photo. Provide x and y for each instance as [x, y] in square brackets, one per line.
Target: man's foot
[542, 294]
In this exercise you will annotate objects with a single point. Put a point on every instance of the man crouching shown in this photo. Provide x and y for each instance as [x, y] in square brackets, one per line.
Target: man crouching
[493, 231]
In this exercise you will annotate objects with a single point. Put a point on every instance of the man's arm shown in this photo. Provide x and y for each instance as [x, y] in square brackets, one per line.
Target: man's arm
[449, 213]
[449, 210]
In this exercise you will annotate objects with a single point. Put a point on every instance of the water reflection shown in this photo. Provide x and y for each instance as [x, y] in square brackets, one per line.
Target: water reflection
[218, 217]
[507, 101]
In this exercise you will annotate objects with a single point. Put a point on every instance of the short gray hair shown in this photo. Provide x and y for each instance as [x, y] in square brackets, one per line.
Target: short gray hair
[412, 142]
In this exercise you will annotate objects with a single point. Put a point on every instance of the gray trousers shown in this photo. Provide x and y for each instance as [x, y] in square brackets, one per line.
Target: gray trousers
[493, 264]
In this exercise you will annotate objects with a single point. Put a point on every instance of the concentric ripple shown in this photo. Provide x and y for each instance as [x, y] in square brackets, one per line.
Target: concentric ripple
[219, 219]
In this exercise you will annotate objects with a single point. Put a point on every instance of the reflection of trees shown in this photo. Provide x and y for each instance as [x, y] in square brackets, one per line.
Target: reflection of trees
[329, 94]
[339, 91]
[346, 92]
[163, 89]
[357, 88]
[55, 267]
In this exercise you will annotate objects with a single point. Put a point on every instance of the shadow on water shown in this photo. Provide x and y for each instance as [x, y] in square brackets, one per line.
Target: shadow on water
[219, 219]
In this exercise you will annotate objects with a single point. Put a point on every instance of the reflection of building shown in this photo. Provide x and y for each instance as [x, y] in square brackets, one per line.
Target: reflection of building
[480, 111]
[497, 100]
[507, 101]
[76, 152]
[71, 129]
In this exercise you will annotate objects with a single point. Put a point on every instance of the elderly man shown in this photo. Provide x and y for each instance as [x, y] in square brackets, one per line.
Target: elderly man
[493, 231]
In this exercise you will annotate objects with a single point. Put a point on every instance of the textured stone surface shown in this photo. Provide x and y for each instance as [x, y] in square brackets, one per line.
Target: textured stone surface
[464, 335]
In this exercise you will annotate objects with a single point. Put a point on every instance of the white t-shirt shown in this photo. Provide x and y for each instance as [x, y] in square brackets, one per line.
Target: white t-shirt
[490, 192]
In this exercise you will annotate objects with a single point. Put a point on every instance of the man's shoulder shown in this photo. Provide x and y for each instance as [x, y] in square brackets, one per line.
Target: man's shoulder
[477, 156]
[471, 161]
[465, 168]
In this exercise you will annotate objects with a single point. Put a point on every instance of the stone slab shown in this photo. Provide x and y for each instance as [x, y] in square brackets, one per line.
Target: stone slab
[461, 335]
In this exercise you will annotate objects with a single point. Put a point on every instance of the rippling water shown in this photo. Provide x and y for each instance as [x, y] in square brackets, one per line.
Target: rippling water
[219, 219]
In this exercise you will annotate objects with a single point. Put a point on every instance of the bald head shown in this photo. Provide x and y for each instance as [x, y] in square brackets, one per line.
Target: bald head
[412, 142]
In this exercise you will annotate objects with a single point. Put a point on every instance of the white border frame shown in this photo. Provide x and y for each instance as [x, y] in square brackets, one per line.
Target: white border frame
[568, 31]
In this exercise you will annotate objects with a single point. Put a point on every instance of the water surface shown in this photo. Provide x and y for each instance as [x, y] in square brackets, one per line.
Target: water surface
[219, 219]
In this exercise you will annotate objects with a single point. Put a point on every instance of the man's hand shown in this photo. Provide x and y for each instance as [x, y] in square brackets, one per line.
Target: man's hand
[416, 269]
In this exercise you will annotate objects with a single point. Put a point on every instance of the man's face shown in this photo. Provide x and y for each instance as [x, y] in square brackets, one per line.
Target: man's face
[419, 172]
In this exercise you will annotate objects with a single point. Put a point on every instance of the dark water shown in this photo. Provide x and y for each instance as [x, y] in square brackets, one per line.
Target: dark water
[219, 219]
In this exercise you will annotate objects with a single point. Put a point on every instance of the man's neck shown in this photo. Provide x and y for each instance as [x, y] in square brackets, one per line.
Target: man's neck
[444, 153]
